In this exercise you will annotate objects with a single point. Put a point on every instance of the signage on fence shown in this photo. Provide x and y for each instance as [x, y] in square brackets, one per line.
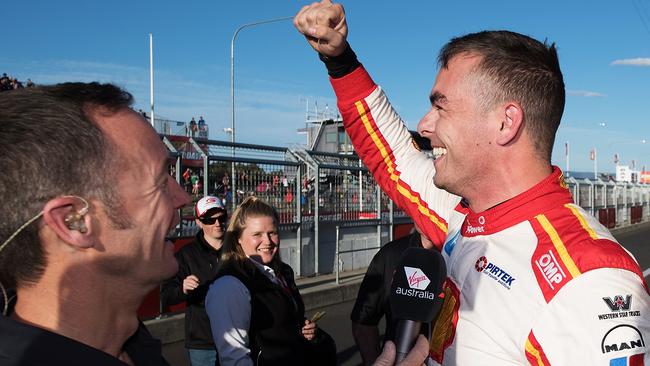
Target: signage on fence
[644, 177]
[189, 155]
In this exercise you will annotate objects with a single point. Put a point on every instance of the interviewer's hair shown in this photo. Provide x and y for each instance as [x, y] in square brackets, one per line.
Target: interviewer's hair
[515, 67]
[250, 207]
[51, 147]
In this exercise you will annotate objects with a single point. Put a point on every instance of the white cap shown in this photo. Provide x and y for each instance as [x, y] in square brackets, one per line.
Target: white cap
[208, 203]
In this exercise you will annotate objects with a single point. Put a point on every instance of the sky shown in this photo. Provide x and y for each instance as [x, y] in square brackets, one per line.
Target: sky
[604, 50]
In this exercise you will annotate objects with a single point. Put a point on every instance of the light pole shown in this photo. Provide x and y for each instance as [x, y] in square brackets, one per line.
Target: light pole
[566, 157]
[232, 96]
[593, 156]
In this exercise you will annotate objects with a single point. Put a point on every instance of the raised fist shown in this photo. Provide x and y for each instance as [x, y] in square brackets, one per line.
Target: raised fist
[324, 26]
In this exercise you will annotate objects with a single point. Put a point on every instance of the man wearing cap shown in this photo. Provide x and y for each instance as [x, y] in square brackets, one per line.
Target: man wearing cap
[197, 264]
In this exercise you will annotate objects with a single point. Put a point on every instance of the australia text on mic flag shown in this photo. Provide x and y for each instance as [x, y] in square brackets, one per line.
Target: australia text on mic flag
[417, 285]
[415, 297]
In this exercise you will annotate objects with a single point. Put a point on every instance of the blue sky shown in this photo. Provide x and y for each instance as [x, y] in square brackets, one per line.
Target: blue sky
[604, 50]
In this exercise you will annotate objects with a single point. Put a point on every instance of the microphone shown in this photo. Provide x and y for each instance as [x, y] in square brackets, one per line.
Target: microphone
[415, 294]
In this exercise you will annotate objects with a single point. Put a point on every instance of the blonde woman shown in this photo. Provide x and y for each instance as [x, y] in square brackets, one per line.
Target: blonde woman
[255, 310]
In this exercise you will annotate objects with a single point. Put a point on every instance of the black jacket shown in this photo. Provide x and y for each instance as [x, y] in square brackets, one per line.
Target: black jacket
[372, 300]
[26, 345]
[200, 259]
[277, 316]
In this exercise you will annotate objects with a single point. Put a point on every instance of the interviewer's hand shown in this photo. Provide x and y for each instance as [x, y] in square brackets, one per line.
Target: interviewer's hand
[309, 330]
[324, 26]
[416, 357]
[190, 283]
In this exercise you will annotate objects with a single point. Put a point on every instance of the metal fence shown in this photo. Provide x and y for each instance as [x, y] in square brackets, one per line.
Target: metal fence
[614, 204]
[331, 210]
[333, 215]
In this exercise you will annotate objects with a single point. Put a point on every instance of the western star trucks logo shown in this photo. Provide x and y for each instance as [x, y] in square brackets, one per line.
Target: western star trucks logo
[417, 282]
[620, 306]
[618, 303]
[493, 271]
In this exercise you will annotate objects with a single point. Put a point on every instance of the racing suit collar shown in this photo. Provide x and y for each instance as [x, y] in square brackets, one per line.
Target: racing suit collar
[539, 198]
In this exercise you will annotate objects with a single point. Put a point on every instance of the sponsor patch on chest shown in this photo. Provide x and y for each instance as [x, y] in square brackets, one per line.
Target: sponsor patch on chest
[494, 272]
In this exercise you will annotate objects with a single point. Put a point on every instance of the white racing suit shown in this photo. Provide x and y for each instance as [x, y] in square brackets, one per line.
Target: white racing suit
[534, 280]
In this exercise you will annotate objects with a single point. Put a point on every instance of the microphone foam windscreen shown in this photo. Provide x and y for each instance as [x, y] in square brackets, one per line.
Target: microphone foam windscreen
[417, 284]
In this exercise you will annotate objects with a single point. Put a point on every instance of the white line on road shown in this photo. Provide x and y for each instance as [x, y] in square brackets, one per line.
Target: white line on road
[646, 273]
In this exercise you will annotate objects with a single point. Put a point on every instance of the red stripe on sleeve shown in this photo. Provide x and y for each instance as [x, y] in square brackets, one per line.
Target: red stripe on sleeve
[351, 87]
[534, 352]
[380, 160]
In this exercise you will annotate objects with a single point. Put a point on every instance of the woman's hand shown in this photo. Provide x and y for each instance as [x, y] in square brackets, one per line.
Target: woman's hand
[309, 330]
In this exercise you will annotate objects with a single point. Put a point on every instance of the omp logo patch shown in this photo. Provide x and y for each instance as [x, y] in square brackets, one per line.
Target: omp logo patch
[550, 269]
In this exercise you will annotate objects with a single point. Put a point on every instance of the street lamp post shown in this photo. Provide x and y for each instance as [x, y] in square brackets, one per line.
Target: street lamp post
[566, 157]
[232, 96]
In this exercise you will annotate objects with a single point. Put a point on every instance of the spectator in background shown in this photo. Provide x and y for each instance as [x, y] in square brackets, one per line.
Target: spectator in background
[222, 188]
[255, 310]
[193, 127]
[5, 83]
[187, 183]
[15, 84]
[197, 267]
[201, 124]
[195, 183]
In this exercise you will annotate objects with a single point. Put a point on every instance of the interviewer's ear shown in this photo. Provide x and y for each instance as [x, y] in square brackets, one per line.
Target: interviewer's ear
[511, 124]
[68, 218]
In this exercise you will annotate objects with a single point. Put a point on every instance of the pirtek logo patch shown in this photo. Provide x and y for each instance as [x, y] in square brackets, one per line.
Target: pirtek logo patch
[550, 269]
[493, 271]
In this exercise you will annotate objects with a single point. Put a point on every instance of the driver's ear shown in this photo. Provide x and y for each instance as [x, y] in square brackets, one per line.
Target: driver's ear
[511, 123]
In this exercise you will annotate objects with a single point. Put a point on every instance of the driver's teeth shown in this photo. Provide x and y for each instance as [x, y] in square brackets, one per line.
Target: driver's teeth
[439, 151]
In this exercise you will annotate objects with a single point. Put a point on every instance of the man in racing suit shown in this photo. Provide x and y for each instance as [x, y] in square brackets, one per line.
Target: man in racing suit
[532, 278]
